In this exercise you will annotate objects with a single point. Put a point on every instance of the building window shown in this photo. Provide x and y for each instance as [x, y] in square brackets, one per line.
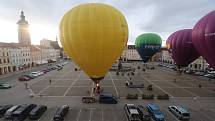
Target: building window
[0, 61]
[195, 66]
[5, 61]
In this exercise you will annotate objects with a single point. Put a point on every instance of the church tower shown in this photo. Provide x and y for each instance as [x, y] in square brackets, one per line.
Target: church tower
[23, 33]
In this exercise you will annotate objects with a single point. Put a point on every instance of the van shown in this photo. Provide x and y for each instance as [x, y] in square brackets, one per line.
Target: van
[22, 112]
[180, 112]
[154, 110]
[37, 112]
[9, 112]
[108, 98]
[60, 113]
[3, 109]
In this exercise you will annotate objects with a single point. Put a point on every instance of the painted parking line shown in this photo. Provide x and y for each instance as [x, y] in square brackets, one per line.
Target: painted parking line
[102, 113]
[79, 114]
[114, 85]
[156, 86]
[140, 91]
[207, 116]
[126, 115]
[40, 79]
[172, 115]
[77, 86]
[52, 83]
[204, 88]
[70, 86]
[90, 114]
[44, 89]
[92, 90]
[31, 91]
[183, 89]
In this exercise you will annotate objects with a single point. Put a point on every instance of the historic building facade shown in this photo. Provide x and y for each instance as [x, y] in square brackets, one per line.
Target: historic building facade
[5, 60]
[130, 53]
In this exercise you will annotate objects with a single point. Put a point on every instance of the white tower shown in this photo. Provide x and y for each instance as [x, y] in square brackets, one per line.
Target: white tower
[23, 33]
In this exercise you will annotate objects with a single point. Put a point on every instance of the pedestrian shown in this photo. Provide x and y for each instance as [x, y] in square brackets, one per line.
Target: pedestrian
[200, 86]
[26, 85]
[94, 90]
[50, 81]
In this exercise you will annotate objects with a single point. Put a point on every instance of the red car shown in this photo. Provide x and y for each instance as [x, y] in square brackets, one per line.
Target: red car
[24, 78]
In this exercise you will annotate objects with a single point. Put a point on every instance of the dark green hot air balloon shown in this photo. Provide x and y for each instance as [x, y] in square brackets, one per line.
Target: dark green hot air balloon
[147, 45]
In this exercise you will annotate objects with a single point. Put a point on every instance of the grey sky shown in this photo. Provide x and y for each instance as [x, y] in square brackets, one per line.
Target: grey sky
[159, 16]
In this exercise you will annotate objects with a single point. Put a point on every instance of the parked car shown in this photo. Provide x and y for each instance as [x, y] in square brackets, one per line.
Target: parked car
[189, 72]
[3, 109]
[154, 110]
[180, 112]
[9, 112]
[22, 112]
[131, 112]
[144, 116]
[34, 74]
[198, 73]
[29, 76]
[40, 73]
[107, 98]
[45, 71]
[37, 112]
[212, 76]
[24, 78]
[53, 68]
[61, 113]
[5, 86]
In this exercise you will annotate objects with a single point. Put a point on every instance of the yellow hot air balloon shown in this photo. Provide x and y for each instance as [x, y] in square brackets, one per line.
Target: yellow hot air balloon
[94, 36]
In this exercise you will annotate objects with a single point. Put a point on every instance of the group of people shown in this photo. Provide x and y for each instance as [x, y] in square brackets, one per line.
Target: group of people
[97, 89]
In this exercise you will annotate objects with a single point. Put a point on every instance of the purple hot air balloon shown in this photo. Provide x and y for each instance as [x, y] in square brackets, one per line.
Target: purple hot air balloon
[181, 47]
[203, 37]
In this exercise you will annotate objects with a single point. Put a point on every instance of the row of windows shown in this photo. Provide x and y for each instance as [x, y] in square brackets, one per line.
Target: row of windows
[19, 60]
[196, 66]
[5, 54]
[4, 61]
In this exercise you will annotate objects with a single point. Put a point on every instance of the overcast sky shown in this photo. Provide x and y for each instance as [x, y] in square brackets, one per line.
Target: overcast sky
[160, 16]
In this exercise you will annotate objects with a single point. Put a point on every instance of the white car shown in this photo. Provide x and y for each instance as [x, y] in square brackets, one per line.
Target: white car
[36, 74]
[132, 112]
[40, 73]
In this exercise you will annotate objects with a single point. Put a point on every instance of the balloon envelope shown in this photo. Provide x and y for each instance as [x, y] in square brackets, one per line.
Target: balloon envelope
[203, 36]
[147, 45]
[181, 47]
[94, 36]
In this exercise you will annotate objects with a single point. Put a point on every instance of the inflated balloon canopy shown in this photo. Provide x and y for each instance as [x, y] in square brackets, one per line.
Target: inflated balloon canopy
[147, 45]
[181, 47]
[203, 37]
[94, 36]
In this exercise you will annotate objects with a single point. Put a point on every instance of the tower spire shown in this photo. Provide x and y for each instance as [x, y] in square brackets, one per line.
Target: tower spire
[23, 33]
[22, 16]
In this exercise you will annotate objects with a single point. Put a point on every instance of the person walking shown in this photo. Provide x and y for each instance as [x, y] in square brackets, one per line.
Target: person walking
[200, 86]
[50, 81]
[26, 85]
